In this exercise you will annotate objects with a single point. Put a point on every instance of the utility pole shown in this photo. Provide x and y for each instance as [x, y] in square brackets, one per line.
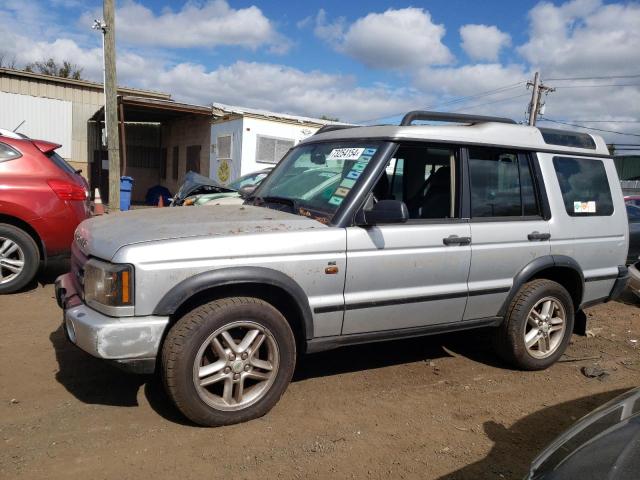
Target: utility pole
[538, 89]
[111, 104]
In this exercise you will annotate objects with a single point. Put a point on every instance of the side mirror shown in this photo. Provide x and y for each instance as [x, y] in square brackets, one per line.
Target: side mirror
[246, 190]
[385, 211]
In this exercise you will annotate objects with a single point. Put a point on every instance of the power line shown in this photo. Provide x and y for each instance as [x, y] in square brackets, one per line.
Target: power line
[589, 128]
[610, 77]
[479, 95]
[600, 85]
[456, 100]
[604, 121]
[490, 103]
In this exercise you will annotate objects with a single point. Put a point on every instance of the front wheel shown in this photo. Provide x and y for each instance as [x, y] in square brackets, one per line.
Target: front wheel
[228, 361]
[538, 325]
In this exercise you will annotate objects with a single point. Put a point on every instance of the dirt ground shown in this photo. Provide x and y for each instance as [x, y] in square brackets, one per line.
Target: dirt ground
[440, 407]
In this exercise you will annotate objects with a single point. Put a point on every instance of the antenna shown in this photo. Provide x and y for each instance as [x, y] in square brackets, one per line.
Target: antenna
[19, 125]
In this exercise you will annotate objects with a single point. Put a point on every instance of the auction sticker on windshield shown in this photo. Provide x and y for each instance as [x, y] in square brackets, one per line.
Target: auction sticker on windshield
[345, 154]
[361, 156]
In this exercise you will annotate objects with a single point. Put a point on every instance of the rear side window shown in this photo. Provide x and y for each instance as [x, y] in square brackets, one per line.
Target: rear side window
[8, 153]
[62, 163]
[584, 186]
[501, 184]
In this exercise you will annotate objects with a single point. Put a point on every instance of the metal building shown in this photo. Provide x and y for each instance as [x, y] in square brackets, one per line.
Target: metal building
[56, 109]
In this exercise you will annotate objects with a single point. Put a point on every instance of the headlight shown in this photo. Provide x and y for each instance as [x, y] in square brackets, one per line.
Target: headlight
[108, 284]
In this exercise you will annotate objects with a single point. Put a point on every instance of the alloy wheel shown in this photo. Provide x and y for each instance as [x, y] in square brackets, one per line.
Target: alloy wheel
[545, 327]
[236, 365]
[11, 260]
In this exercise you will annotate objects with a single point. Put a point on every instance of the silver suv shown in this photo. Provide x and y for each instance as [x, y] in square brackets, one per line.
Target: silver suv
[360, 234]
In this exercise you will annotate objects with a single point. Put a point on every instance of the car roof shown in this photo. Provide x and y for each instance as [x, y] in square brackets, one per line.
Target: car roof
[476, 131]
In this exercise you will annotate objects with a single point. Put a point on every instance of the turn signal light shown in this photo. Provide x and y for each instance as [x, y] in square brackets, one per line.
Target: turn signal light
[67, 191]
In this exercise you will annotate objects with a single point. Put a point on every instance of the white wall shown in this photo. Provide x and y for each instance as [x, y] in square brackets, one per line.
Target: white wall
[233, 128]
[46, 119]
[271, 128]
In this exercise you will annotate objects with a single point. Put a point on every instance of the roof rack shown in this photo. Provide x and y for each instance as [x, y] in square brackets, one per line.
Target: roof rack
[410, 117]
[331, 128]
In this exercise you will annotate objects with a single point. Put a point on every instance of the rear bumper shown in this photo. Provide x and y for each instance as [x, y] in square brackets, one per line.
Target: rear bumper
[621, 282]
[132, 342]
[634, 279]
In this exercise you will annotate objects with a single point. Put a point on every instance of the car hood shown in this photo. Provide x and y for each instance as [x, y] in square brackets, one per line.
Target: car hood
[195, 184]
[103, 236]
[603, 444]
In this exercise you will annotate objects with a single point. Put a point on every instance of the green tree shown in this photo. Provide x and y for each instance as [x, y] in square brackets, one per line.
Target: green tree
[51, 67]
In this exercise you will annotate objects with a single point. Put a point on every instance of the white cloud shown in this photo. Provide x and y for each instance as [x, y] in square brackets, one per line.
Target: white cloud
[483, 42]
[396, 39]
[209, 24]
[260, 85]
[330, 32]
[470, 79]
[285, 89]
[583, 37]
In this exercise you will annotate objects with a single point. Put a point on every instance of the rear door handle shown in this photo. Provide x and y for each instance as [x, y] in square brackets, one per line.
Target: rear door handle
[538, 236]
[456, 240]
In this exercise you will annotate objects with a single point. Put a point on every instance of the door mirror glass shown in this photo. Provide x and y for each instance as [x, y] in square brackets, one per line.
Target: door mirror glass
[385, 211]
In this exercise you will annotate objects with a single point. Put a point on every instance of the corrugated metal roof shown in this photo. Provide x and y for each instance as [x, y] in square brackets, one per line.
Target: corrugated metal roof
[220, 109]
[10, 72]
[144, 109]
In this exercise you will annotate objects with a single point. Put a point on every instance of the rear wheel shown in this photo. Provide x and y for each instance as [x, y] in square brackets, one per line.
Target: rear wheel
[228, 361]
[19, 258]
[538, 325]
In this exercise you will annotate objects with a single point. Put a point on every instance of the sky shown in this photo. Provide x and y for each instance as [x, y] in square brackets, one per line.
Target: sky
[364, 62]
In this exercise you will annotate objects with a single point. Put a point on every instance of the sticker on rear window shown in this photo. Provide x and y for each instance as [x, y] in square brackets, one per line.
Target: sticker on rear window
[345, 154]
[584, 207]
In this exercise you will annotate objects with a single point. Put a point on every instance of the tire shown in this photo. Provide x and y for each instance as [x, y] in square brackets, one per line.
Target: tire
[197, 351]
[18, 251]
[548, 338]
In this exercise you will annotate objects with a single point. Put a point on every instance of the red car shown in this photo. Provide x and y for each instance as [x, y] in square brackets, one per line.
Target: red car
[42, 201]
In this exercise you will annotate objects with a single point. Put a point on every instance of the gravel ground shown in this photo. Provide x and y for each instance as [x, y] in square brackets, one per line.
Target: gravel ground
[440, 407]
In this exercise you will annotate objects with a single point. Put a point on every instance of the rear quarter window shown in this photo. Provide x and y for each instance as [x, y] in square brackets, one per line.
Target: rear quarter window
[8, 153]
[584, 186]
[62, 163]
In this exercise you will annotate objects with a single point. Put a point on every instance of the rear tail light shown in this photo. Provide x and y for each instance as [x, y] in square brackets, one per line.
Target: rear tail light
[67, 190]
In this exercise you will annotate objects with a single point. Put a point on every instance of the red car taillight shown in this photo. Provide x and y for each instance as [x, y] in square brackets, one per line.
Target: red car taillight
[67, 190]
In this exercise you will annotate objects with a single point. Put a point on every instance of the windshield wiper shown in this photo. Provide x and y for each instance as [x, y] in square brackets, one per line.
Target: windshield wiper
[275, 199]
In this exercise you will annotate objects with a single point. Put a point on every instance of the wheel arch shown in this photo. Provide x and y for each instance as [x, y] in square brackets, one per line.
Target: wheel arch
[272, 286]
[559, 268]
[22, 225]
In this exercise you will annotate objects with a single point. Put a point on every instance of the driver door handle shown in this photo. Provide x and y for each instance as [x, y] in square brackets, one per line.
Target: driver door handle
[456, 240]
[538, 236]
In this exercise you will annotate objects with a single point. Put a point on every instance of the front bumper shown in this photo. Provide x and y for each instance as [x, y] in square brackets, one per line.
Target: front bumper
[132, 342]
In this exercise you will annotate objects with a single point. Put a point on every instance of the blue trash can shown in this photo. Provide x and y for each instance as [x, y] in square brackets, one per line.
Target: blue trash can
[126, 185]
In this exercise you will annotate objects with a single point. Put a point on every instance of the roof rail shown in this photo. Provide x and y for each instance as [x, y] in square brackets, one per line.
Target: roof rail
[331, 128]
[410, 117]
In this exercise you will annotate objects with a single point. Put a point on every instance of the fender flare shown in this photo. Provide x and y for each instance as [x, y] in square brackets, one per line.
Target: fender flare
[191, 286]
[537, 265]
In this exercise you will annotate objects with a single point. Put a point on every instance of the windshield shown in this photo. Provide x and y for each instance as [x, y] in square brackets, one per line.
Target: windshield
[314, 179]
[249, 179]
